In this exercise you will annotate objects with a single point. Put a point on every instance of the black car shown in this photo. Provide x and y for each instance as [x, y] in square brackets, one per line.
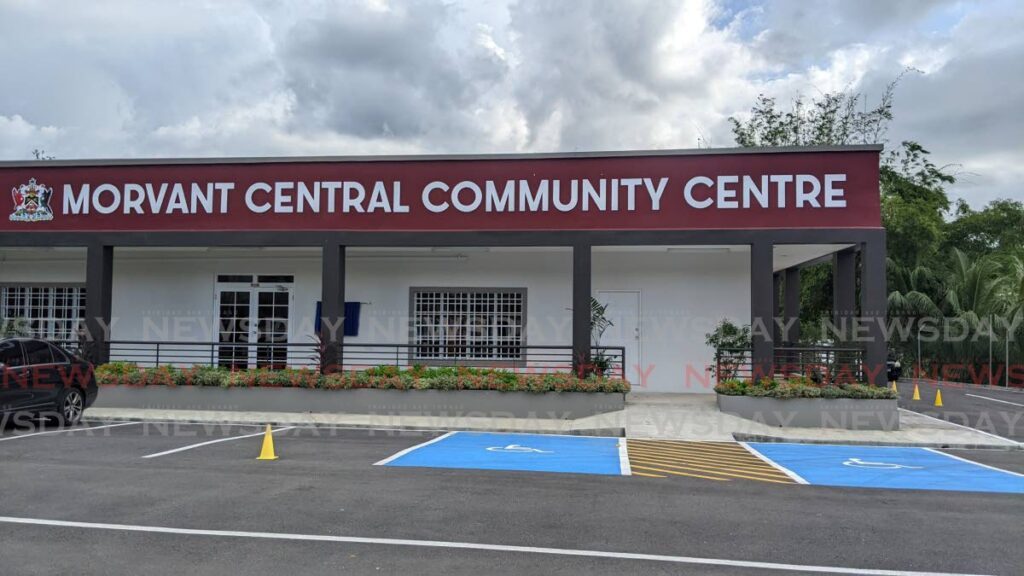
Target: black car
[40, 378]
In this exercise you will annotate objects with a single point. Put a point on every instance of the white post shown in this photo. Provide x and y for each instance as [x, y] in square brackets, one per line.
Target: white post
[991, 330]
[1006, 367]
[920, 367]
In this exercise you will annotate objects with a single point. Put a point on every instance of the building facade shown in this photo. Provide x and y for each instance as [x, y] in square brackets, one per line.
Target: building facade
[471, 260]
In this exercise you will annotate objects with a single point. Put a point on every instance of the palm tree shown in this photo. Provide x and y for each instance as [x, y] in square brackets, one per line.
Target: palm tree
[974, 296]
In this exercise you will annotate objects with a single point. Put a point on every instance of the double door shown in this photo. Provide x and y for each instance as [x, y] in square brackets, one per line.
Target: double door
[254, 323]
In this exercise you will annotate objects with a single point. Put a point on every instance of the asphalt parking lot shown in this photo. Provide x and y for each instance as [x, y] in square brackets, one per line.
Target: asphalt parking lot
[88, 501]
[992, 410]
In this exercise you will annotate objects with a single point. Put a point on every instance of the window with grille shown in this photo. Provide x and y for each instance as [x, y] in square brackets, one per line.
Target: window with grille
[51, 312]
[468, 323]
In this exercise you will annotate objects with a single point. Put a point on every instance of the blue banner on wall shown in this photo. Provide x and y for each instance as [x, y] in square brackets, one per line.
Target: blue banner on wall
[352, 310]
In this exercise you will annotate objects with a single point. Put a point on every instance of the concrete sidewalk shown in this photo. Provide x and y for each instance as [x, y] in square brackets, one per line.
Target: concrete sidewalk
[658, 416]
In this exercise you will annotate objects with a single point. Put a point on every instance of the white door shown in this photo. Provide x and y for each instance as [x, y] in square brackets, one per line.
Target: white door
[624, 314]
[254, 313]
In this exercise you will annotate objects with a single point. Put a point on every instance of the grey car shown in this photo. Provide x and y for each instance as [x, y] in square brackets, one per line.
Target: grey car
[40, 378]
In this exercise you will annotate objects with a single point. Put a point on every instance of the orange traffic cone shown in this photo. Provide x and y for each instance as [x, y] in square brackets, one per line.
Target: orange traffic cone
[917, 393]
[938, 398]
[267, 453]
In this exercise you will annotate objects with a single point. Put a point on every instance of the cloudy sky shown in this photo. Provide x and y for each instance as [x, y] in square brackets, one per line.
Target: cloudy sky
[141, 78]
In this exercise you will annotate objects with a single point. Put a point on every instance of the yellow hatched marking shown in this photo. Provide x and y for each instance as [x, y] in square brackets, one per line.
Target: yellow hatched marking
[719, 472]
[645, 475]
[678, 473]
[716, 467]
[694, 447]
[701, 455]
[726, 461]
[698, 452]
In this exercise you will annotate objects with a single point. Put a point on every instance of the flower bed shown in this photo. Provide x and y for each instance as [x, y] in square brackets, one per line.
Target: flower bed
[801, 403]
[802, 388]
[380, 378]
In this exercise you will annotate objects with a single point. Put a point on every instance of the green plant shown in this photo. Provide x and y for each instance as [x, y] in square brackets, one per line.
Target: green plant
[11, 327]
[380, 377]
[729, 342]
[801, 388]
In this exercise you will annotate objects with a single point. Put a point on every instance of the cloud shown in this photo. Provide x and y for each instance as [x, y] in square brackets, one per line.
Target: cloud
[110, 78]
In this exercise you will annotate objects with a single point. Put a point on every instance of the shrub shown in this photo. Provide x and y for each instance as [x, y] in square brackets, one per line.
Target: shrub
[802, 388]
[379, 377]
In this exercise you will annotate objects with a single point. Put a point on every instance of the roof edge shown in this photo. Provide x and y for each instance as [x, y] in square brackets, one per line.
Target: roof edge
[441, 157]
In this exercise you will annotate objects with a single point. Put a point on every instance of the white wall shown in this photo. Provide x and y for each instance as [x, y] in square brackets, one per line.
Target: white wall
[683, 295]
[170, 296]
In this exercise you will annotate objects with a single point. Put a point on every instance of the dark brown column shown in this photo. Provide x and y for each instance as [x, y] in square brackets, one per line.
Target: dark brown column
[792, 312]
[332, 307]
[777, 305]
[873, 305]
[844, 290]
[99, 283]
[581, 282]
[761, 310]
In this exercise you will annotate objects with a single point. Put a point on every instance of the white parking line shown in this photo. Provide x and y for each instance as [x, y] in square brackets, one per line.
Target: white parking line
[217, 441]
[994, 399]
[796, 477]
[470, 546]
[1012, 473]
[1011, 441]
[69, 430]
[416, 447]
[624, 468]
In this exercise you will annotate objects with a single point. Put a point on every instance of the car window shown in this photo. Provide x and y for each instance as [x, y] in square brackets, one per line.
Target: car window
[37, 352]
[59, 356]
[10, 354]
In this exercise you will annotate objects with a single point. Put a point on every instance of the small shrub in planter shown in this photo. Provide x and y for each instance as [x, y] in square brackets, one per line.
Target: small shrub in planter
[382, 377]
[802, 388]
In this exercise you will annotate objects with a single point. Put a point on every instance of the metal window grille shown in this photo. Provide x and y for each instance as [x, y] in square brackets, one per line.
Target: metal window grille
[468, 323]
[52, 312]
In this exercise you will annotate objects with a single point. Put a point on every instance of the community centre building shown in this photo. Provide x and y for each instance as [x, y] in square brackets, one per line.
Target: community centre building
[488, 260]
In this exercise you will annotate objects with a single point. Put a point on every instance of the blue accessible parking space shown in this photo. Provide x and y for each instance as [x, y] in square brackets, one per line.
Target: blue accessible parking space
[888, 467]
[526, 452]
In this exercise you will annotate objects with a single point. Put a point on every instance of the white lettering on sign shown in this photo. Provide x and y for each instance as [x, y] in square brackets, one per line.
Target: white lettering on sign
[723, 192]
[627, 193]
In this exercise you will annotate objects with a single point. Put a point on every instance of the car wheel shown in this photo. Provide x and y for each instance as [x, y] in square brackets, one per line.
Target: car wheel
[71, 407]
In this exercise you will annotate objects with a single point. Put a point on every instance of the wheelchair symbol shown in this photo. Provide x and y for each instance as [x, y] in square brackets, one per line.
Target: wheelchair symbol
[858, 463]
[516, 448]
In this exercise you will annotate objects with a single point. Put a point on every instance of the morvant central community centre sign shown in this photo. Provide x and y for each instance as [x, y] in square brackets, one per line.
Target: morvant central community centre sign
[837, 189]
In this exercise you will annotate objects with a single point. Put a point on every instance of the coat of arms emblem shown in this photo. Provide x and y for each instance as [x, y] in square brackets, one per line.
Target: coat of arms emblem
[31, 202]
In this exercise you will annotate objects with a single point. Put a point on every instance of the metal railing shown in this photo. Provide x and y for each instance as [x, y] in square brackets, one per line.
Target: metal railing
[819, 363]
[609, 360]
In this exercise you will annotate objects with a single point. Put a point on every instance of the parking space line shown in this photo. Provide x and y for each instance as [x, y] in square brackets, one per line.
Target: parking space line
[796, 477]
[209, 442]
[624, 466]
[994, 399]
[951, 423]
[946, 454]
[68, 430]
[576, 552]
[411, 448]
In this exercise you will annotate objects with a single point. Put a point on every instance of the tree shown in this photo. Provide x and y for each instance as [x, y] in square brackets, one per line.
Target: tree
[998, 228]
[914, 200]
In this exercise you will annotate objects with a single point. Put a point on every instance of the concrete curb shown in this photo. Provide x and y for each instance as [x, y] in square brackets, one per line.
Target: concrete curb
[740, 437]
[606, 432]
